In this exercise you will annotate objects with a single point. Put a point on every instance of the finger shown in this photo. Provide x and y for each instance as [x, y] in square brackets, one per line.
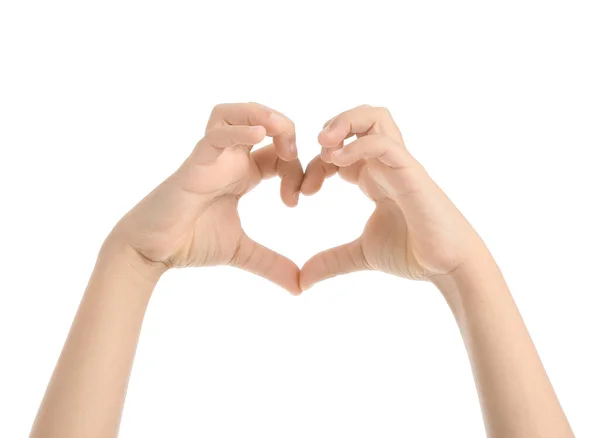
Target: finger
[332, 262]
[278, 126]
[220, 138]
[352, 173]
[253, 257]
[389, 151]
[291, 175]
[316, 173]
[360, 120]
[290, 172]
[326, 151]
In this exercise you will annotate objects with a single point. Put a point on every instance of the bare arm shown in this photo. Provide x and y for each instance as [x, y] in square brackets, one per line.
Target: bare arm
[86, 393]
[191, 219]
[516, 396]
[416, 232]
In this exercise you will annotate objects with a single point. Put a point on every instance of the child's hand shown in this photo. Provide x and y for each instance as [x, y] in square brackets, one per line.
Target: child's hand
[415, 230]
[191, 219]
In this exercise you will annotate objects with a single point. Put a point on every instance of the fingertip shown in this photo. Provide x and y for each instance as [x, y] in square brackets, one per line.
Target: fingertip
[310, 188]
[326, 155]
[304, 283]
[295, 292]
[258, 133]
[335, 159]
[325, 138]
[276, 118]
[340, 158]
[303, 187]
[293, 148]
[288, 277]
[306, 191]
[286, 148]
[294, 286]
[291, 200]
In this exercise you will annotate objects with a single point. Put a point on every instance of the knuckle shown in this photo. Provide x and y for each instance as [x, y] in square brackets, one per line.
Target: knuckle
[214, 131]
[218, 108]
[267, 262]
[210, 134]
[331, 262]
[336, 120]
[383, 111]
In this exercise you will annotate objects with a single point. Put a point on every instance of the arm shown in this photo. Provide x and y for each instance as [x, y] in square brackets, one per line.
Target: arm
[86, 393]
[168, 228]
[515, 393]
[416, 232]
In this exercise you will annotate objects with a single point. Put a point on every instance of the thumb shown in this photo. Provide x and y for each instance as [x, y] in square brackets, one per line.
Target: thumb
[251, 256]
[332, 262]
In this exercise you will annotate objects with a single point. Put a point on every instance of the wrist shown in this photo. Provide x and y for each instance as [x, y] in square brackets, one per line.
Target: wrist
[116, 253]
[477, 278]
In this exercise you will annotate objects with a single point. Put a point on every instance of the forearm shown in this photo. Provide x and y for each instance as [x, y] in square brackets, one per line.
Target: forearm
[86, 393]
[516, 396]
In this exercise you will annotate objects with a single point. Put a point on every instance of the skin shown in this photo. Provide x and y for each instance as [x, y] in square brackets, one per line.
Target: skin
[191, 219]
[416, 232]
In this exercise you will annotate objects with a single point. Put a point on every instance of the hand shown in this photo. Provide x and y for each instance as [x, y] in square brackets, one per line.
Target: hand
[191, 219]
[415, 231]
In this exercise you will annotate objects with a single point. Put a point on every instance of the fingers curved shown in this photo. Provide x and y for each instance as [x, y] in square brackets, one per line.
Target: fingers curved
[291, 175]
[360, 120]
[290, 172]
[278, 126]
[316, 173]
[389, 152]
[332, 262]
[222, 137]
[327, 151]
[253, 257]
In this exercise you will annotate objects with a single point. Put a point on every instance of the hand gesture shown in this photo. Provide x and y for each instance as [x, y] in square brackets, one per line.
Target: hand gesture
[415, 231]
[191, 219]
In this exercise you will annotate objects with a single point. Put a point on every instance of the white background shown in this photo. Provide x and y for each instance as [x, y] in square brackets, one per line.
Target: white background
[99, 101]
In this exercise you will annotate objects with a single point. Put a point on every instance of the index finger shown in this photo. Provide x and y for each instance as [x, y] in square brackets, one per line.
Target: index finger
[278, 126]
[359, 121]
[290, 172]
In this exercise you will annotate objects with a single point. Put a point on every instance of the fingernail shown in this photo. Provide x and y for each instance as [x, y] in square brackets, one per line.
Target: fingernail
[335, 155]
[293, 147]
[305, 287]
[275, 117]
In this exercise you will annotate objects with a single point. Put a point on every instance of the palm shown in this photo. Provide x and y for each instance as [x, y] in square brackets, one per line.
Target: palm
[416, 247]
[414, 232]
[191, 219]
[385, 242]
[202, 226]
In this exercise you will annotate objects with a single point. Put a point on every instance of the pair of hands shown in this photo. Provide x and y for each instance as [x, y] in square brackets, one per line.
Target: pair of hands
[191, 219]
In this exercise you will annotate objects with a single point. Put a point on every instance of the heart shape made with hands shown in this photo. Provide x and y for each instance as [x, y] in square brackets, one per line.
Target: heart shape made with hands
[376, 161]
[192, 218]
